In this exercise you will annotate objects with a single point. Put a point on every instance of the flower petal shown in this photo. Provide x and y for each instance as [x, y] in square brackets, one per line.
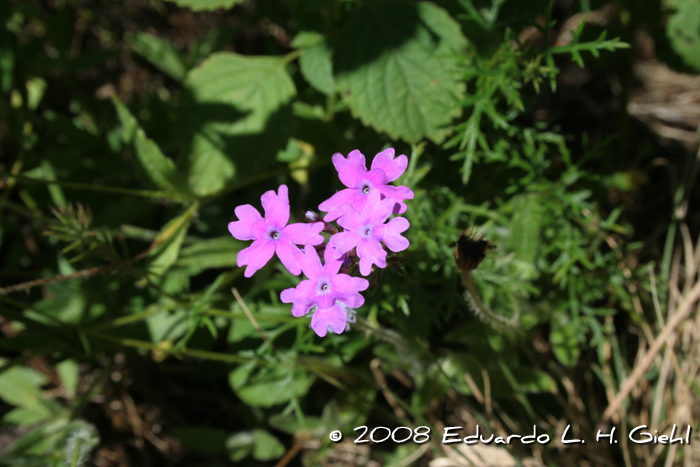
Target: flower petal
[348, 289]
[350, 220]
[309, 262]
[377, 210]
[377, 177]
[303, 234]
[391, 234]
[276, 207]
[286, 253]
[333, 317]
[393, 168]
[344, 242]
[334, 205]
[259, 228]
[303, 298]
[332, 260]
[352, 176]
[256, 256]
[240, 229]
[370, 252]
[355, 159]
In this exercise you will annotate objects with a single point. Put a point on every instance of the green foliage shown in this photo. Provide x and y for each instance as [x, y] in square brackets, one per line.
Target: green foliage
[394, 65]
[206, 5]
[127, 154]
[242, 95]
[160, 52]
[684, 30]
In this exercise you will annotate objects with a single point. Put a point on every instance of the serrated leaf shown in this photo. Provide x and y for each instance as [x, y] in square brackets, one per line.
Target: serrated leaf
[237, 108]
[205, 5]
[159, 168]
[160, 52]
[317, 67]
[683, 30]
[394, 68]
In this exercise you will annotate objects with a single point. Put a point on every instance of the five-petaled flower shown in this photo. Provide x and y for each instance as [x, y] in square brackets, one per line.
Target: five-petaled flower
[364, 231]
[362, 210]
[325, 288]
[271, 234]
[360, 181]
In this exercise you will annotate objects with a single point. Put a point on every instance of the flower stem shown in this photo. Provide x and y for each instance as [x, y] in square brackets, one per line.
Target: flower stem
[471, 295]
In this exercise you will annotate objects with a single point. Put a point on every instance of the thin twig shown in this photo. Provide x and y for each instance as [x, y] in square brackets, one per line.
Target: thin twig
[251, 317]
[75, 275]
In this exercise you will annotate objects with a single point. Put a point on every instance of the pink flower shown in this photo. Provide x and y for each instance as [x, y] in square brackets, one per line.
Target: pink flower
[271, 234]
[359, 182]
[325, 288]
[364, 231]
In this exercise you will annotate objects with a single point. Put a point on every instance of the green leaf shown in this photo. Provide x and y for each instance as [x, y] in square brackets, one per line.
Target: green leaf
[266, 447]
[683, 30]
[160, 52]
[240, 445]
[525, 232]
[205, 5]
[160, 169]
[26, 416]
[170, 238]
[220, 252]
[237, 107]
[316, 62]
[273, 387]
[564, 343]
[69, 372]
[19, 386]
[394, 68]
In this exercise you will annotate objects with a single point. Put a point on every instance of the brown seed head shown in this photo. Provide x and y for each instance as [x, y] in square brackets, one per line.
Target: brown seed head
[471, 251]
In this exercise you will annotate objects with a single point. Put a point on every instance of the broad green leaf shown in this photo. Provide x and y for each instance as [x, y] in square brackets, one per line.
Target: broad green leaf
[237, 108]
[167, 326]
[683, 30]
[564, 343]
[270, 388]
[240, 445]
[316, 62]
[394, 66]
[202, 5]
[266, 447]
[69, 372]
[19, 386]
[25, 416]
[160, 169]
[160, 52]
[218, 252]
[35, 91]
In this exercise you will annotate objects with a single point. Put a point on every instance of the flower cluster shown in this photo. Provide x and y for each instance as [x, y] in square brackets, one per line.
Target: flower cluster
[362, 210]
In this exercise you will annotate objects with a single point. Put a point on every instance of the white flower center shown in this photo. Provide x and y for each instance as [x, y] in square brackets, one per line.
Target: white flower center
[275, 235]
